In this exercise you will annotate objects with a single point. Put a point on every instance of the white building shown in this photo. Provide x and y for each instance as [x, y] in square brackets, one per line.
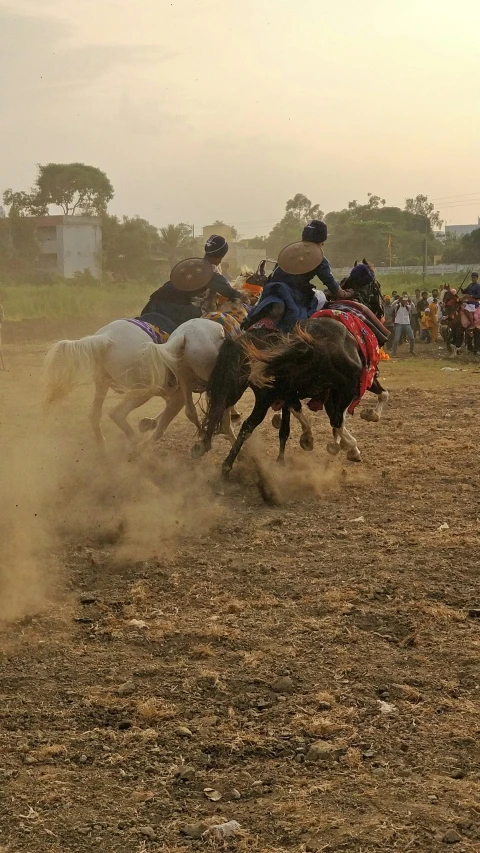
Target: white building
[69, 245]
[461, 230]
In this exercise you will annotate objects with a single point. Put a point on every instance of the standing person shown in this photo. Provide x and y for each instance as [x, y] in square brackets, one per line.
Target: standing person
[402, 313]
[416, 318]
[388, 312]
[434, 309]
[422, 308]
[471, 301]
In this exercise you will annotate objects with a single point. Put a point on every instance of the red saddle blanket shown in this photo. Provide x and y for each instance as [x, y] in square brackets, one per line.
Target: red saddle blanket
[367, 344]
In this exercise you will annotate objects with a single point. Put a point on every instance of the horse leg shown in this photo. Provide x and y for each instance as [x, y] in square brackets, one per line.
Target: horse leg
[262, 404]
[336, 407]
[284, 434]
[306, 438]
[227, 428]
[174, 405]
[373, 414]
[120, 413]
[102, 385]
[235, 416]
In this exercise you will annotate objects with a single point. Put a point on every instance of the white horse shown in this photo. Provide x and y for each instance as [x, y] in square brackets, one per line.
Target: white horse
[122, 356]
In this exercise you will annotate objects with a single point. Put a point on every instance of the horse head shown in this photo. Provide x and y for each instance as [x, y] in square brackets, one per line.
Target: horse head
[366, 289]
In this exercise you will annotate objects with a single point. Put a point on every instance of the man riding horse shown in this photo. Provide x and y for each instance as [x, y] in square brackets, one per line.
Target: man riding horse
[290, 297]
[170, 306]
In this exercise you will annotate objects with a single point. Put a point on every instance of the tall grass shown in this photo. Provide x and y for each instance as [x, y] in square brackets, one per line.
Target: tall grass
[97, 300]
[72, 299]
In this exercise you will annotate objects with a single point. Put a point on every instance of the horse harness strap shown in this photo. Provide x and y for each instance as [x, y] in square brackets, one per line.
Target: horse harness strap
[153, 332]
[367, 344]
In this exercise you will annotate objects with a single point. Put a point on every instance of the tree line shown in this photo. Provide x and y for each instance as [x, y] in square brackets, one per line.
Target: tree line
[134, 249]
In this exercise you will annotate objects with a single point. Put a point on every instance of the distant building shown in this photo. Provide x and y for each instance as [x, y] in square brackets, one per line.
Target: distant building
[461, 230]
[69, 245]
[222, 230]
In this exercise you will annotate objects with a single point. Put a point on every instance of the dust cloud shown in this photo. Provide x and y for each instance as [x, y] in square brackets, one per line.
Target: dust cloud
[56, 490]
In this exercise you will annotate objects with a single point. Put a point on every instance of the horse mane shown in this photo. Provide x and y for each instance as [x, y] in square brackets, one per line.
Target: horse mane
[262, 361]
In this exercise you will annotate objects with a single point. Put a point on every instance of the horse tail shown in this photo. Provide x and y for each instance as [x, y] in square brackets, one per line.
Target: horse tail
[70, 363]
[160, 359]
[227, 383]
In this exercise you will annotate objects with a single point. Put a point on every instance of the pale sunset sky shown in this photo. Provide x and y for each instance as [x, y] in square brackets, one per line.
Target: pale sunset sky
[206, 109]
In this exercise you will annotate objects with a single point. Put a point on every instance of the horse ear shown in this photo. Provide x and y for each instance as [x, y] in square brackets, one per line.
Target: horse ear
[365, 262]
[355, 263]
[261, 268]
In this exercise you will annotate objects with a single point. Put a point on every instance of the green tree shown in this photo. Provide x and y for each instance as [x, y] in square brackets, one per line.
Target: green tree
[298, 211]
[463, 250]
[176, 242]
[75, 187]
[421, 206]
[365, 230]
[131, 248]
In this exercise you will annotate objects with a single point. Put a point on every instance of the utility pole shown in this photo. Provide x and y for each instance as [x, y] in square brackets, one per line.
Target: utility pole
[425, 256]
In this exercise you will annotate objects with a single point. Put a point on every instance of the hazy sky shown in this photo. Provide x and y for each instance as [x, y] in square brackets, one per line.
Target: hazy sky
[205, 109]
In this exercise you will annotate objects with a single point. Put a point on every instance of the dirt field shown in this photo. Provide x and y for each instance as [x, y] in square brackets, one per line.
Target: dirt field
[316, 663]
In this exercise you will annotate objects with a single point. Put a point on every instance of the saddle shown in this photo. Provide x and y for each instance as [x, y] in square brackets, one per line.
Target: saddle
[364, 313]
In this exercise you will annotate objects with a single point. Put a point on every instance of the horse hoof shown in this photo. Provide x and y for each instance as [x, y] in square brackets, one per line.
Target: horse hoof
[276, 421]
[235, 416]
[147, 424]
[353, 455]
[226, 471]
[280, 460]
[370, 415]
[306, 442]
[198, 450]
[333, 448]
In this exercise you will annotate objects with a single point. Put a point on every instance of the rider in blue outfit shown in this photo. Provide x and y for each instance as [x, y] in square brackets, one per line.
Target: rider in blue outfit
[175, 306]
[296, 293]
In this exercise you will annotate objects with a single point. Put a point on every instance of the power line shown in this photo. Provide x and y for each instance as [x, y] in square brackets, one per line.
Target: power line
[458, 196]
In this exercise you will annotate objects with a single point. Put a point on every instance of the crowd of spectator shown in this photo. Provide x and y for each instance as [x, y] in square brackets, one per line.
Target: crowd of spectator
[418, 318]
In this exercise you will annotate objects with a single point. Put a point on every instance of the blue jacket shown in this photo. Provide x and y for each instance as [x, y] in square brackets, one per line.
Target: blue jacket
[323, 272]
[298, 304]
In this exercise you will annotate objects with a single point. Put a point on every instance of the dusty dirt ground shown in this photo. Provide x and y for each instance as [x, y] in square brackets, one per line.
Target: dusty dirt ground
[316, 662]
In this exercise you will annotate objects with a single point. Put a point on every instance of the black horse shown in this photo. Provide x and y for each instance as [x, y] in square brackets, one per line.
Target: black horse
[331, 363]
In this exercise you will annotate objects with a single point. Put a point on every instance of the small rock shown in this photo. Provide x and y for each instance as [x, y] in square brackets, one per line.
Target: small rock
[324, 706]
[321, 750]
[83, 759]
[148, 832]
[183, 731]
[194, 830]
[451, 837]
[236, 794]
[124, 725]
[433, 798]
[386, 707]
[474, 613]
[126, 689]
[283, 685]
[87, 599]
[206, 722]
[222, 831]
[186, 774]
[458, 773]
[29, 759]
[212, 794]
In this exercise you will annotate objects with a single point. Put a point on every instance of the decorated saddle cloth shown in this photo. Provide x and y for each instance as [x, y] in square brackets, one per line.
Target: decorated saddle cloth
[231, 320]
[154, 332]
[367, 344]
